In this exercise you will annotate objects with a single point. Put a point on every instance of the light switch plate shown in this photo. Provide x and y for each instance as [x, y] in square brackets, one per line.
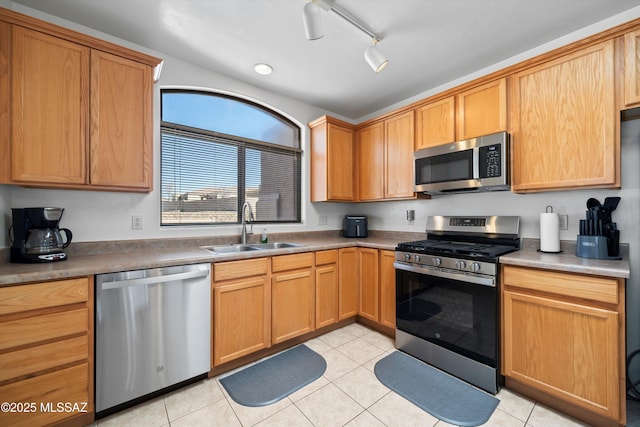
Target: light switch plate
[564, 222]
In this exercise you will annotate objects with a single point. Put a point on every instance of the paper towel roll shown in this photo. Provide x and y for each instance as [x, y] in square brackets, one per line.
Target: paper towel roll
[549, 232]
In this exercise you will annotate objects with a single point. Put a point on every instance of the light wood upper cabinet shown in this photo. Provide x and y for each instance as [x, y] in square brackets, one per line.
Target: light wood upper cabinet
[399, 144]
[75, 112]
[121, 111]
[563, 334]
[49, 110]
[632, 69]
[371, 161]
[563, 123]
[482, 110]
[332, 161]
[385, 159]
[435, 123]
[475, 112]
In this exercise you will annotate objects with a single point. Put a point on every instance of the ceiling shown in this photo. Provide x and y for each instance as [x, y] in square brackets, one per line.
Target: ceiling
[428, 42]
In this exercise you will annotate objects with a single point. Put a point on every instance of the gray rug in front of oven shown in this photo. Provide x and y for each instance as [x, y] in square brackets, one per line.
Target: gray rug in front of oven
[443, 396]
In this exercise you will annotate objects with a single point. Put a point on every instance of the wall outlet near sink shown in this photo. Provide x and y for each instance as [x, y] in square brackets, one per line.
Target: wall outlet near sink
[136, 222]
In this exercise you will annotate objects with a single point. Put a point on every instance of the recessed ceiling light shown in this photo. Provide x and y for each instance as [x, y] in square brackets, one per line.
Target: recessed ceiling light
[264, 69]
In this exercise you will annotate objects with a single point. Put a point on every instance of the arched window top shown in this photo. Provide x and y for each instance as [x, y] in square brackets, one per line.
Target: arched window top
[228, 115]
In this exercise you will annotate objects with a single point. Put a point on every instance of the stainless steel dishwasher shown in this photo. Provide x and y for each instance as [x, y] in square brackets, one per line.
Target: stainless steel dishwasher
[153, 330]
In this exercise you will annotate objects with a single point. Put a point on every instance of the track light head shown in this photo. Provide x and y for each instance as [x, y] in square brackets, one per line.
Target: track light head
[312, 19]
[375, 58]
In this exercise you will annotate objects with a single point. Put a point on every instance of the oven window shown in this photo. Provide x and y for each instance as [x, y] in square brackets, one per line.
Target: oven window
[456, 166]
[456, 315]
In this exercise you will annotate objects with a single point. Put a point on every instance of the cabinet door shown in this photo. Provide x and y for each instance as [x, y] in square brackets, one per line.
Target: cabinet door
[348, 284]
[567, 350]
[632, 68]
[292, 304]
[241, 318]
[121, 122]
[326, 295]
[399, 139]
[369, 292]
[50, 106]
[482, 110]
[563, 123]
[371, 162]
[387, 289]
[340, 163]
[435, 123]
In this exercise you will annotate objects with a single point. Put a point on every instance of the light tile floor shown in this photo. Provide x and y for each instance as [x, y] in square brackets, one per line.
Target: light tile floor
[348, 394]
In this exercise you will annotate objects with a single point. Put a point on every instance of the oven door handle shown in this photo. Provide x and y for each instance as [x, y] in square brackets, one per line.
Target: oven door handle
[470, 278]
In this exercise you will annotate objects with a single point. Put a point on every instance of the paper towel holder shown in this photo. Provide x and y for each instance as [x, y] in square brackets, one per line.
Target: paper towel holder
[549, 209]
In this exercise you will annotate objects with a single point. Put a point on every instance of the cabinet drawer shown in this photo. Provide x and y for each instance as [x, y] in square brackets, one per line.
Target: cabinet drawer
[66, 385]
[31, 330]
[237, 269]
[292, 262]
[327, 257]
[16, 299]
[35, 359]
[601, 289]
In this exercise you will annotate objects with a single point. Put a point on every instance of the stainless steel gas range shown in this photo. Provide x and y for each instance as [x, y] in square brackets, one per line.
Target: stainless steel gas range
[447, 301]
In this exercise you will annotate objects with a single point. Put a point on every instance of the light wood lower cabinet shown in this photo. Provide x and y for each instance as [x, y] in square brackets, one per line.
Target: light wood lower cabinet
[292, 296]
[348, 279]
[369, 280]
[326, 288]
[46, 352]
[241, 308]
[387, 289]
[563, 335]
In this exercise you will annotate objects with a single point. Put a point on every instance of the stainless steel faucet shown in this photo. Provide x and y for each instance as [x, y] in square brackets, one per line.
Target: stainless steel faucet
[244, 222]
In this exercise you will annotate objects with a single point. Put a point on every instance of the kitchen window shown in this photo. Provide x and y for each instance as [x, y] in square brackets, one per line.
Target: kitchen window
[219, 151]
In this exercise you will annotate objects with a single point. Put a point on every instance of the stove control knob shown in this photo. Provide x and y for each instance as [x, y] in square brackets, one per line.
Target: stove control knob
[436, 261]
[407, 257]
[416, 258]
[461, 265]
[475, 267]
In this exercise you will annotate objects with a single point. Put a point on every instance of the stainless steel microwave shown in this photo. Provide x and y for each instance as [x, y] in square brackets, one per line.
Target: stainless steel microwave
[477, 164]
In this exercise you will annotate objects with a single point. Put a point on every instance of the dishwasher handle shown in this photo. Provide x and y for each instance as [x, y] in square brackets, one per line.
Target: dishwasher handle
[117, 284]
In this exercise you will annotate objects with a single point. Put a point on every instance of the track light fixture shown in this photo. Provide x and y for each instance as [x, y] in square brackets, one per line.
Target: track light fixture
[312, 19]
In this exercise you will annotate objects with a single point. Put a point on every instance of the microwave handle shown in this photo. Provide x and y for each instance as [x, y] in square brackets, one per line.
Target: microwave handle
[476, 163]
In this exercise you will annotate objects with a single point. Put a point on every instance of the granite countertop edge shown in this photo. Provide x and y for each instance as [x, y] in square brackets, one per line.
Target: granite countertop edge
[567, 261]
[86, 261]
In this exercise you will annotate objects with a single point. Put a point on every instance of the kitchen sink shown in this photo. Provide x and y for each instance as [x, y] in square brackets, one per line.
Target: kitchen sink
[245, 247]
[276, 245]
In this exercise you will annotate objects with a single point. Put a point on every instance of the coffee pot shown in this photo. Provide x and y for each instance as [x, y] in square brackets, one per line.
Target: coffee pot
[36, 236]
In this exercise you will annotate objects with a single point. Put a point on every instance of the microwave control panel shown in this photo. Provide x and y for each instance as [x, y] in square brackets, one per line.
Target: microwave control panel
[490, 161]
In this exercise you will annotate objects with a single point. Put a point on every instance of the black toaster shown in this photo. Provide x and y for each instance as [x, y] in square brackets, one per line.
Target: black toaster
[355, 226]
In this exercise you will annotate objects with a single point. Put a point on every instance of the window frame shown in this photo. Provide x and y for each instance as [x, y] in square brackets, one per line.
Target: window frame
[243, 143]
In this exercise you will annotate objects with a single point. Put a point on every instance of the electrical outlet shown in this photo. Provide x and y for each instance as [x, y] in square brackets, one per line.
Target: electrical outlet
[322, 220]
[564, 222]
[136, 222]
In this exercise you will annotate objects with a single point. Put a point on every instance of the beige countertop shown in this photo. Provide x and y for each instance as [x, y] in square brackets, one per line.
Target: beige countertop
[86, 259]
[567, 260]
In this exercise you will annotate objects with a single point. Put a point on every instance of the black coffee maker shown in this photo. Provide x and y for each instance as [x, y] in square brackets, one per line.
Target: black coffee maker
[35, 236]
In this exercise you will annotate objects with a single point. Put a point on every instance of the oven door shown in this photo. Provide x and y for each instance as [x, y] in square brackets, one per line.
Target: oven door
[448, 311]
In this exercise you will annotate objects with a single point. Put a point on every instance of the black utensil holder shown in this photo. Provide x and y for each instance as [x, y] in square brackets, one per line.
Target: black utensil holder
[596, 247]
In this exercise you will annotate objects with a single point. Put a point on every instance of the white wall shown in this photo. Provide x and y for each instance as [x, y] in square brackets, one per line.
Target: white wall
[95, 216]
